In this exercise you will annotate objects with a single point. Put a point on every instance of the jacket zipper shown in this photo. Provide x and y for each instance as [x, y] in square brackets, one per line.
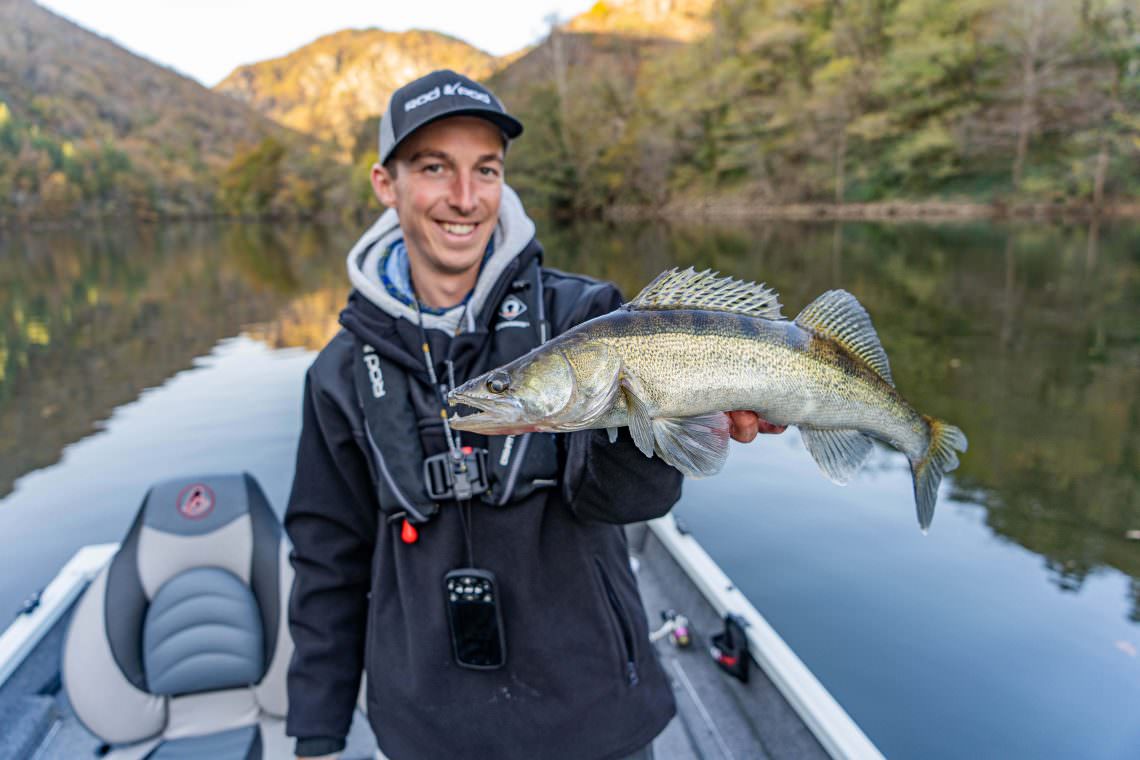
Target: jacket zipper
[631, 676]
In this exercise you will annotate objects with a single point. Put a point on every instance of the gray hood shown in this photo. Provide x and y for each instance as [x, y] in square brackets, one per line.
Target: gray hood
[512, 234]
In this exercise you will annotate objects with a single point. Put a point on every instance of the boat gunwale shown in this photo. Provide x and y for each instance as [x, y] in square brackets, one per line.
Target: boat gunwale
[57, 597]
[835, 730]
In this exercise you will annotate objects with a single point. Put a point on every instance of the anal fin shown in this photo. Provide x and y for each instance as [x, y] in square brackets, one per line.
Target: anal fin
[697, 446]
[839, 453]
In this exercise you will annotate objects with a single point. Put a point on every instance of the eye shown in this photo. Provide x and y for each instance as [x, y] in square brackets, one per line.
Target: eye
[499, 382]
[489, 171]
[433, 169]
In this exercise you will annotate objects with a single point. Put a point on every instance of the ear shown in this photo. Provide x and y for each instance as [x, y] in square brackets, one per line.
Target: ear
[384, 185]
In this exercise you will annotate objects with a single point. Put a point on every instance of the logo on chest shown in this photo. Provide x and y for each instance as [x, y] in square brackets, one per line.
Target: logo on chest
[510, 310]
[375, 376]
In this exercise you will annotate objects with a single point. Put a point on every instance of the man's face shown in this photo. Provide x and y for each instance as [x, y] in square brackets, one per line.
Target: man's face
[447, 187]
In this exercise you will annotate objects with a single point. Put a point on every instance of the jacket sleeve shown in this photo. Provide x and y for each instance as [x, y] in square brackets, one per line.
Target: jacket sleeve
[332, 524]
[610, 482]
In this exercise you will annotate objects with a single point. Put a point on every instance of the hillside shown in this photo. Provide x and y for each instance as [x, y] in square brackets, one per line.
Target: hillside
[676, 104]
[88, 127]
[681, 20]
[575, 94]
[1002, 102]
[328, 87]
[636, 104]
[333, 86]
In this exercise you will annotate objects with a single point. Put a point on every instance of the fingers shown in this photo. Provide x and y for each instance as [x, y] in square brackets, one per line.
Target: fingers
[768, 427]
[746, 425]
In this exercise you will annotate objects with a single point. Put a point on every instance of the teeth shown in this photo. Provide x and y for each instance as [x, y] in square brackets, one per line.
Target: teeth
[457, 229]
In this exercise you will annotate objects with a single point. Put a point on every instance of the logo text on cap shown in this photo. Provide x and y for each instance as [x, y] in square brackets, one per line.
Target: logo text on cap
[419, 100]
[457, 88]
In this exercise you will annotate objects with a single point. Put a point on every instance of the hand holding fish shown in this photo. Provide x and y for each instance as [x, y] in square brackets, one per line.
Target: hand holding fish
[744, 426]
[692, 346]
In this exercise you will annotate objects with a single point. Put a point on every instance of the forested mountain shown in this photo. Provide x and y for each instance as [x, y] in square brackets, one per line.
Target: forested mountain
[781, 101]
[328, 87]
[87, 127]
[682, 20]
[644, 104]
[333, 85]
[575, 94]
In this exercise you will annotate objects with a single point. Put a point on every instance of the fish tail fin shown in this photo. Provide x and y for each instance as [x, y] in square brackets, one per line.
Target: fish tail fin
[940, 457]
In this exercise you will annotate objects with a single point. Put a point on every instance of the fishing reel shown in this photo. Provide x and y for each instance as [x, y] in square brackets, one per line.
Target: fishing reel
[676, 627]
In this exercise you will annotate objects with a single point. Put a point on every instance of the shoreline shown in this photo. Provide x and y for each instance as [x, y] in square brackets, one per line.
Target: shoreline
[901, 211]
[691, 210]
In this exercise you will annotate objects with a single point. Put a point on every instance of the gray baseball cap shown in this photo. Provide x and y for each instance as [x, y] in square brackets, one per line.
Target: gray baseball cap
[437, 95]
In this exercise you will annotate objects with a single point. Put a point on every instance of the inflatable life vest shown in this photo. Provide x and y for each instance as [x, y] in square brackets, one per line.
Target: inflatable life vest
[407, 482]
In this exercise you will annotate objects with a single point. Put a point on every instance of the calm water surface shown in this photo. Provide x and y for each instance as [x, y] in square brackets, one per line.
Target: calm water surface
[1011, 630]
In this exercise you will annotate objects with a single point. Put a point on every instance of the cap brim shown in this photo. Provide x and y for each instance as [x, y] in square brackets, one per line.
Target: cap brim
[510, 126]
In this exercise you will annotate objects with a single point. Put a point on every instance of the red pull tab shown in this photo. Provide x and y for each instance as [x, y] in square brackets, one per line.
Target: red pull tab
[408, 533]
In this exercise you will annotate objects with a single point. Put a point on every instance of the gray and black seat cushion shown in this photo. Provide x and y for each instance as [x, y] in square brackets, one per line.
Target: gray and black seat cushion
[180, 647]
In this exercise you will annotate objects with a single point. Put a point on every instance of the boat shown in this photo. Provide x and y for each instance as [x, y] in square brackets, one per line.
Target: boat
[741, 692]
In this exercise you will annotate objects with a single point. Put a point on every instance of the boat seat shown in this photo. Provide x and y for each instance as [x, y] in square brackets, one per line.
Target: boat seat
[180, 647]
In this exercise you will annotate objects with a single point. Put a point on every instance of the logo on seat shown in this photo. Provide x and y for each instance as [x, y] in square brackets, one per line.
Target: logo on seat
[196, 501]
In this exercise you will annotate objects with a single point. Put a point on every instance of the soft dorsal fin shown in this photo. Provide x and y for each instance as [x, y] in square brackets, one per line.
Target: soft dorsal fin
[690, 289]
[838, 315]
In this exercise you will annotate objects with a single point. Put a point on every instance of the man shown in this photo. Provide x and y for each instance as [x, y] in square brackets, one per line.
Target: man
[387, 500]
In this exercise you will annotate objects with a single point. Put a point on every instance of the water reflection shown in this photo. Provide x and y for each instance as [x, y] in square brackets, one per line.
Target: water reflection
[93, 318]
[1027, 337]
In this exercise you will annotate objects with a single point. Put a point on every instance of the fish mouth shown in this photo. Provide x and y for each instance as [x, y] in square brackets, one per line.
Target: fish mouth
[493, 416]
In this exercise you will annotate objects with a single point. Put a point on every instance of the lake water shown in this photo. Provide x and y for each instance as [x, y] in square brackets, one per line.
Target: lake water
[1011, 630]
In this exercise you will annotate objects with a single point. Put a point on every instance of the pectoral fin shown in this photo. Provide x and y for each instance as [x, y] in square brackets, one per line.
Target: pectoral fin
[697, 446]
[839, 453]
[640, 423]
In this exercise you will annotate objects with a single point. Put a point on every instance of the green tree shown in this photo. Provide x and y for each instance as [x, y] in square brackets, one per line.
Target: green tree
[252, 179]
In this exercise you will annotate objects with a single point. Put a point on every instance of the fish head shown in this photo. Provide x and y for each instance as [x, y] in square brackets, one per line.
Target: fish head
[562, 385]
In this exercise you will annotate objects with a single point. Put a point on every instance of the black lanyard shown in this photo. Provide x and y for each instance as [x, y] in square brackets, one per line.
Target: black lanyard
[454, 441]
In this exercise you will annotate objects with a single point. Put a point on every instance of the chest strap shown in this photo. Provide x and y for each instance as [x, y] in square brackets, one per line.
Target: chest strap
[507, 471]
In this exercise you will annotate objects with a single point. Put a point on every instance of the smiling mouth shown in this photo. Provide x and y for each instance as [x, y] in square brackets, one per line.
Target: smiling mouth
[458, 228]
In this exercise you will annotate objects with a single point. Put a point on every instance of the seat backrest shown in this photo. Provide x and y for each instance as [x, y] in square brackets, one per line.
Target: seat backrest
[195, 601]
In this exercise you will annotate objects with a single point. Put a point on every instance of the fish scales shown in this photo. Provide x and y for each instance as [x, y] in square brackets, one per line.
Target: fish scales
[691, 362]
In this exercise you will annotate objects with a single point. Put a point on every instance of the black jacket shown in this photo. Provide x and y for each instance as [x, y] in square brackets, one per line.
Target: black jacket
[364, 601]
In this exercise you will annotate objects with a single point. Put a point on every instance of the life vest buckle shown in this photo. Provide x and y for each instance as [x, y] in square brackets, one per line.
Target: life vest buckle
[446, 478]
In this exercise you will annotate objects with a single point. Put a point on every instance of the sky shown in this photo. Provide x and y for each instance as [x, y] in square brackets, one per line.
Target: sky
[207, 39]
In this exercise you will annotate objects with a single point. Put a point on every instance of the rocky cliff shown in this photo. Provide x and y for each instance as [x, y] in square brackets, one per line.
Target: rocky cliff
[330, 86]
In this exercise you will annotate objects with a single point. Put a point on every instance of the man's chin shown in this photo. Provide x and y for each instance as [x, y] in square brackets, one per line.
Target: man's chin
[459, 260]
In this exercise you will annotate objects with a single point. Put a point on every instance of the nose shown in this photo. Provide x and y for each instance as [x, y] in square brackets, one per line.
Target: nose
[463, 193]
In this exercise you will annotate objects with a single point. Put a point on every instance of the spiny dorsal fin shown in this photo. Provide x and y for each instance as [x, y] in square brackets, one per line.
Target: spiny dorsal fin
[838, 315]
[690, 289]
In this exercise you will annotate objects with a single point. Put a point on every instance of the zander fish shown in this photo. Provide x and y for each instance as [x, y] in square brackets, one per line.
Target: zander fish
[694, 345]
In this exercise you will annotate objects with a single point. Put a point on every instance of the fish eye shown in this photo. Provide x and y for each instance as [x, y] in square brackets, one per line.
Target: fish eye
[499, 382]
